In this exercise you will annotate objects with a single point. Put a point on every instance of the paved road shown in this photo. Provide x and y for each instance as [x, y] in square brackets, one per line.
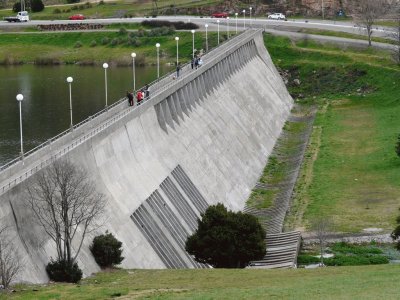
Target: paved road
[290, 25]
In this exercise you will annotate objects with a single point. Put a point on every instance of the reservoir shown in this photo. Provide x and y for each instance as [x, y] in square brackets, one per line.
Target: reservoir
[45, 108]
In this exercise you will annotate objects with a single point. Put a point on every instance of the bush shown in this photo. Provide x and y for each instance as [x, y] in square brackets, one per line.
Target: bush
[73, 1]
[105, 40]
[356, 260]
[122, 31]
[106, 250]
[114, 42]
[78, 44]
[305, 259]
[62, 271]
[93, 43]
[397, 148]
[37, 5]
[17, 7]
[177, 25]
[57, 11]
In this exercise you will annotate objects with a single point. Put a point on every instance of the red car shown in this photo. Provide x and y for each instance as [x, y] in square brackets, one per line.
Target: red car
[77, 17]
[219, 15]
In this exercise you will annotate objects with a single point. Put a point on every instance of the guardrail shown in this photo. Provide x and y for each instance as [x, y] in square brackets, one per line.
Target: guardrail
[117, 116]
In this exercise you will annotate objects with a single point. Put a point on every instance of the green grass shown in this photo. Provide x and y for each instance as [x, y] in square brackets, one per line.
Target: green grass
[59, 47]
[364, 282]
[355, 178]
[260, 198]
[112, 9]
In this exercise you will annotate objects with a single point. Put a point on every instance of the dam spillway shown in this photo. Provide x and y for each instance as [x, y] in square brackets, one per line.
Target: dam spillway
[199, 140]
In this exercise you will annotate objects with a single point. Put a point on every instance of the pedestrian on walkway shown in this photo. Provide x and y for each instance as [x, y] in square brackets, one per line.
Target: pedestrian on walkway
[147, 91]
[139, 97]
[178, 68]
[192, 63]
[130, 98]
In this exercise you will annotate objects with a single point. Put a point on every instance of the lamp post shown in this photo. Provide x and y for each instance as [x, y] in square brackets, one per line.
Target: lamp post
[133, 54]
[227, 26]
[244, 19]
[20, 97]
[105, 66]
[251, 22]
[218, 31]
[177, 50]
[192, 31]
[236, 14]
[206, 26]
[158, 59]
[69, 80]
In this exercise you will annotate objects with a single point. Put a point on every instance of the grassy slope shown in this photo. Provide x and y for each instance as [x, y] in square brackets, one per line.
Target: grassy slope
[363, 282]
[60, 47]
[356, 177]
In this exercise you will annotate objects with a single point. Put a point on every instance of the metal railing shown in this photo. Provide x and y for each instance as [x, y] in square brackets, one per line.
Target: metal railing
[108, 122]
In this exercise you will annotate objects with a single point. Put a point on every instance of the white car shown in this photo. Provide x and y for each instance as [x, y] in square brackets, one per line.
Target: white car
[277, 16]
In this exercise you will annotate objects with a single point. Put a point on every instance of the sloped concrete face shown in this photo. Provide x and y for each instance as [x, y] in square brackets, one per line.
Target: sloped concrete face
[203, 141]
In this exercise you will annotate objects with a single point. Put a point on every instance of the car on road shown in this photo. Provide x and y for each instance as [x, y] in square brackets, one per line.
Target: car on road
[77, 17]
[277, 16]
[219, 15]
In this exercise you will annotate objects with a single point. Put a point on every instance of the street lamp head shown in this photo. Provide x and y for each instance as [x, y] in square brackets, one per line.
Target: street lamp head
[193, 31]
[70, 79]
[244, 11]
[236, 14]
[20, 97]
[227, 18]
[105, 65]
[250, 8]
[217, 21]
[206, 25]
[158, 45]
[133, 54]
[177, 38]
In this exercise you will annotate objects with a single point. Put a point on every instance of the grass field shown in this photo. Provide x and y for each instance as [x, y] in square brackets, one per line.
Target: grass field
[48, 48]
[117, 9]
[364, 282]
[355, 176]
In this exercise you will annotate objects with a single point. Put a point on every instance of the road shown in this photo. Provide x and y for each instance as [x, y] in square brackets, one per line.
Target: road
[290, 25]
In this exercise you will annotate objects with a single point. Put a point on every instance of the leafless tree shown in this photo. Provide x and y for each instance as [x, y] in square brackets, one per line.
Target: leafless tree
[367, 12]
[322, 226]
[65, 202]
[10, 262]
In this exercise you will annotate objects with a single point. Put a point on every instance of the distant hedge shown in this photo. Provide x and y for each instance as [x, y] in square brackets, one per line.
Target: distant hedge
[177, 25]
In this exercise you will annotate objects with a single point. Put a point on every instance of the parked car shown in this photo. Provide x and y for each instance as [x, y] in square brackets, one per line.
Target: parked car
[22, 16]
[219, 15]
[77, 17]
[277, 16]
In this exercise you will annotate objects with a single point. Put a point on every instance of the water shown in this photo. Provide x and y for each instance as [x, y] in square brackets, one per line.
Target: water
[45, 108]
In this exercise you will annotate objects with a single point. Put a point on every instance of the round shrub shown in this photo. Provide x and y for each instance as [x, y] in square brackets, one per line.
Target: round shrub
[122, 31]
[17, 7]
[106, 250]
[78, 44]
[93, 43]
[62, 271]
[114, 42]
[57, 11]
[105, 40]
[37, 5]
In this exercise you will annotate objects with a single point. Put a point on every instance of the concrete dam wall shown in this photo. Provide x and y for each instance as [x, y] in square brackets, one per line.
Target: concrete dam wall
[199, 140]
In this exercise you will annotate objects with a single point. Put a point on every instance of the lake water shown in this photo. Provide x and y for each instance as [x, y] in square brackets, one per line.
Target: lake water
[45, 108]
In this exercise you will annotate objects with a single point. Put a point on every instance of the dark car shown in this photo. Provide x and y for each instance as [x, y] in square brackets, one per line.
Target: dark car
[77, 17]
[219, 15]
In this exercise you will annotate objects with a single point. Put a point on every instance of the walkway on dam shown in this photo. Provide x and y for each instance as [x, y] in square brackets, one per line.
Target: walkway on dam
[18, 170]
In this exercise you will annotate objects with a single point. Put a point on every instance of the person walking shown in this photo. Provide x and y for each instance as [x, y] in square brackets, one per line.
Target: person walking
[192, 63]
[139, 97]
[147, 91]
[178, 68]
[130, 98]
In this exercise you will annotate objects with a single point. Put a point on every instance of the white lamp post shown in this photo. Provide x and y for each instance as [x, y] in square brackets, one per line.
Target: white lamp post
[133, 54]
[192, 31]
[244, 19]
[69, 80]
[236, 14]
[20, 97]
[206, 26]
[227, 24]
[251, 22]
[158, 59]
[177, 50]
[105, 66]
[218, 31]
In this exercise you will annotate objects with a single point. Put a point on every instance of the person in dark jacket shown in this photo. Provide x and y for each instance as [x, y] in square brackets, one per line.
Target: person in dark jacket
[178, 69]
[147, 91]
[130, 98]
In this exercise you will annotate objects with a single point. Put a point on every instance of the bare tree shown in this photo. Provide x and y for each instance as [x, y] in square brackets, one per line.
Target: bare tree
[367, 12]
[322, 226]
[10, 262]
[64, 201]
